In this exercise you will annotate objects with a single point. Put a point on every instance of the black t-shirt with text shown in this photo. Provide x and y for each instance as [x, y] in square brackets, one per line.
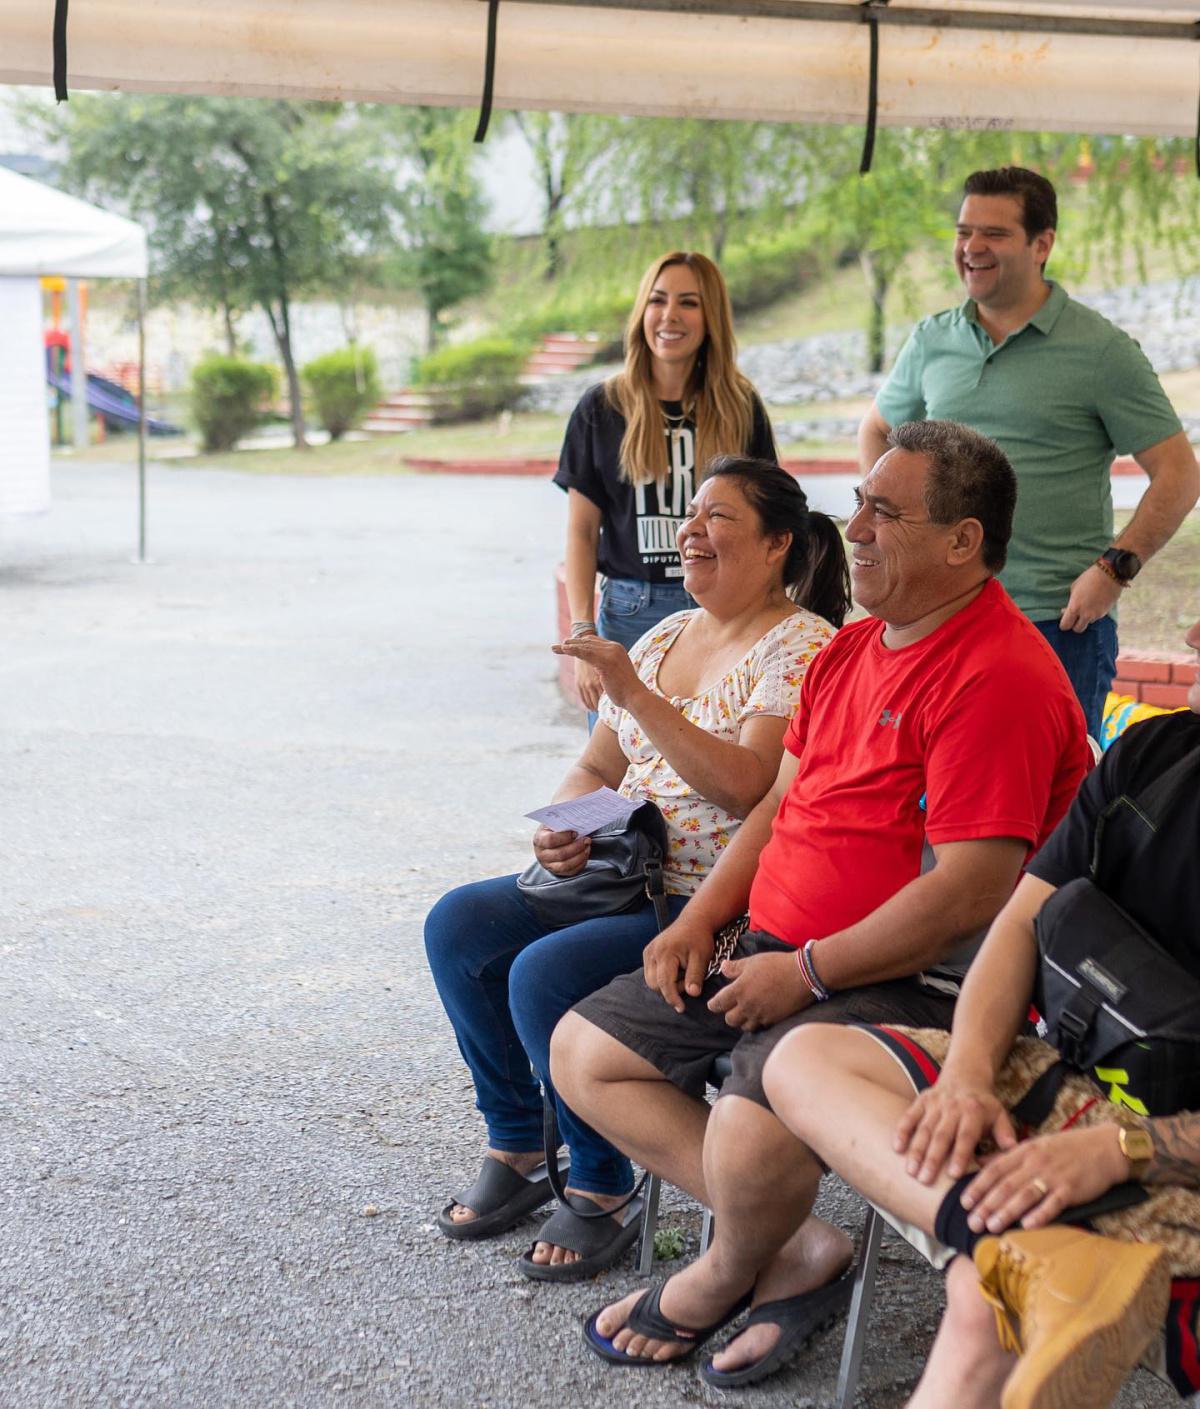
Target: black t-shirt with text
[638, 522]
[1153, 876]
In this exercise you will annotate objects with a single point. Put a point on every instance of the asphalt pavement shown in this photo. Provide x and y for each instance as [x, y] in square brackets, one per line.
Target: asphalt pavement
[231, 784]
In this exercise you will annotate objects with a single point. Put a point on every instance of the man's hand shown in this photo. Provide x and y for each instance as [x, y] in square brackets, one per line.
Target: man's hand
[1034, 1182]
[1093, 595]
[765, 989]
[680, 953]
[611, 663]
[945, 1124]
[563, 853]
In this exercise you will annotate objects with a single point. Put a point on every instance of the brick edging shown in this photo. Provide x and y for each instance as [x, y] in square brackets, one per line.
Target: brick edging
[1155, 678]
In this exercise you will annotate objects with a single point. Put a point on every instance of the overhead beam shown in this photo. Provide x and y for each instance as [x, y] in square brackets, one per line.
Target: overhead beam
[826, 12]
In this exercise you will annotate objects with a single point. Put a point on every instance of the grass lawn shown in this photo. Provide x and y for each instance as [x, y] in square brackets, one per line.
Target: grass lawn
[1165, 599]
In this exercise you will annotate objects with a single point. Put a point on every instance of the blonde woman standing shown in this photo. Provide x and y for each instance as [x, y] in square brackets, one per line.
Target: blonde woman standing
[632, 446]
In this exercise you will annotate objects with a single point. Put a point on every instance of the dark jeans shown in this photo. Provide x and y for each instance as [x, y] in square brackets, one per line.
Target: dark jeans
[1090, 660]
[504, 983]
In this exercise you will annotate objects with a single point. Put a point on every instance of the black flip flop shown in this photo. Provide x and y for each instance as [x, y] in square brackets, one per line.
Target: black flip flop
[599, 1241]
[799, 1318]
[646, 1319]
[500, 1197]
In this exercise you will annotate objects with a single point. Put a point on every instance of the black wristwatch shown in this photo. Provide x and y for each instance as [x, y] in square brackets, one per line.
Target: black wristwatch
[1122, 564]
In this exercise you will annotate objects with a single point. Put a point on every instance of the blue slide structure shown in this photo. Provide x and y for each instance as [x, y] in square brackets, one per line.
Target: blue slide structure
[111, 401]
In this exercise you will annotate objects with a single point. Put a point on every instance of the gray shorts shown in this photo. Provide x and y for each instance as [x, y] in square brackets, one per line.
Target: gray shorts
[683, 1046]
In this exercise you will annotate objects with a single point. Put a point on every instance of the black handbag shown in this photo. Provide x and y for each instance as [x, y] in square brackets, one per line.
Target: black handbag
[625, 869]
[1116, 1004]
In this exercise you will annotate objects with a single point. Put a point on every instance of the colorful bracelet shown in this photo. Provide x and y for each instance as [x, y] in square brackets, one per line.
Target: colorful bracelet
[809, 974]
[583, 628]
[1110, 571]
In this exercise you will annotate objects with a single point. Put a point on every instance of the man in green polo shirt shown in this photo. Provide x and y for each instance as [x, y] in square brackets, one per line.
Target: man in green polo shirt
[1063, 391]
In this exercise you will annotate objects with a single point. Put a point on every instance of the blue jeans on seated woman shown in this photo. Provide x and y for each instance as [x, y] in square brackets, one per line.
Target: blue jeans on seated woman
[629, 607]
[504, 983]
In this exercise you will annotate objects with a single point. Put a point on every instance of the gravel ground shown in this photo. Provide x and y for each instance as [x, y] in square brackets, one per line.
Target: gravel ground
[232, 783]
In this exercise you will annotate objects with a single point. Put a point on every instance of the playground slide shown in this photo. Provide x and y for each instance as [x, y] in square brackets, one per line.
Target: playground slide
[113, 402]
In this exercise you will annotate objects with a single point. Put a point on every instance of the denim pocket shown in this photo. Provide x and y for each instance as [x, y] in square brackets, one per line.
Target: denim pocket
[624, 596]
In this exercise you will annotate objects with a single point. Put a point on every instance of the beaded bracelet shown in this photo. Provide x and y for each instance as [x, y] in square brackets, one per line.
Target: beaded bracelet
[809, 974]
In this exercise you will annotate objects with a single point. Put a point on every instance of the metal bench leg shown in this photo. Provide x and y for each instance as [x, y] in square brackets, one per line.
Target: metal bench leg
[706, 1231]
[860, 1310]
[650, 1195]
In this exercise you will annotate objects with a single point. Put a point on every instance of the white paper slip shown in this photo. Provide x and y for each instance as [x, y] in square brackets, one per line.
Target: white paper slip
[587, 814]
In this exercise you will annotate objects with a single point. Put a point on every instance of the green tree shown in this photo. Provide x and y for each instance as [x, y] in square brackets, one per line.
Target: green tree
[567, 149]
[445, 253]
[694, 174]
[248, 204]
[907, 202]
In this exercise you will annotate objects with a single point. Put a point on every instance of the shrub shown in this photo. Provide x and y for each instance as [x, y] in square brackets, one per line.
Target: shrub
[229, 398]
[579, 309]
[343, 385]
[474, 378]
[766, 268]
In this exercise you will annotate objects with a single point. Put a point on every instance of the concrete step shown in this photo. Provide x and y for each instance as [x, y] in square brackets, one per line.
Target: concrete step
[558, 353]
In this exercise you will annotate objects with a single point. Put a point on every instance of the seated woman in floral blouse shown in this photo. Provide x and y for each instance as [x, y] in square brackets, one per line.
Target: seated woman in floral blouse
[691, 719]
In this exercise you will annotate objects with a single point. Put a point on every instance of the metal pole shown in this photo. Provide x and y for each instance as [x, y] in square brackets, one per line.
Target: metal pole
[79, 400]
[141, 308]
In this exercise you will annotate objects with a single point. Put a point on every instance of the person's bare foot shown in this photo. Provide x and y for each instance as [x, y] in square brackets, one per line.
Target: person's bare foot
[817, 1255]
[694, 1297]
[549, 1255]
[524, 1163]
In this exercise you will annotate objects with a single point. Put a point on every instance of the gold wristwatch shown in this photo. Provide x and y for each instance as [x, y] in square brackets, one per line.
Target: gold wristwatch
[1138, 1149]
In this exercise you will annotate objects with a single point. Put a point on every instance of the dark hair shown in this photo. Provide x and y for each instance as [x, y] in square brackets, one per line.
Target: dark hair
[1039, 204]
[969, 478]
[815, 575]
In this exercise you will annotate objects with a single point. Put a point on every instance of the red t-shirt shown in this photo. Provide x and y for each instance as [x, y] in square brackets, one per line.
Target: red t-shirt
[978, 717]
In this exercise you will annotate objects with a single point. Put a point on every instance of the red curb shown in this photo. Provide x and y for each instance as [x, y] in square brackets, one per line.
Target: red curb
[1165, 696]
[1148, 668]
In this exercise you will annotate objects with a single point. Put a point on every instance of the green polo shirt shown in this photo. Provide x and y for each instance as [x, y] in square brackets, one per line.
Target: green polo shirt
[1063, 395]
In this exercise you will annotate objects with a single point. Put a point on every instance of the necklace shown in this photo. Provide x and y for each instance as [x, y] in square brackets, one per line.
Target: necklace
[675, 422]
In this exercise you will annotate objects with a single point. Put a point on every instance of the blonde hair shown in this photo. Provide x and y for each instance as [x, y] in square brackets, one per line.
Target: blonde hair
[719, 399]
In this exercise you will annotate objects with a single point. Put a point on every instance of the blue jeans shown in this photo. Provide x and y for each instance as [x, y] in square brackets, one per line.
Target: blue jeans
[629, 607]
[1090, 660]
[504, 983]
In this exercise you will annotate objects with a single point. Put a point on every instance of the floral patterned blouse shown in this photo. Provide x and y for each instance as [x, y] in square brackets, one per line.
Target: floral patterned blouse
[766, 681]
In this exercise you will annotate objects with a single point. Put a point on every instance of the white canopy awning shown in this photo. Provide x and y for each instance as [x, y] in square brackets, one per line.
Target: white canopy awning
[43, 231]
[780, 60]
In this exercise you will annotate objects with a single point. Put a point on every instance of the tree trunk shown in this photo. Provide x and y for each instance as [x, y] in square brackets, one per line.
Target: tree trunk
[878, 282]
[431, 329]
[553, 230]
[720, 235]
[282, 329]
[230, 335]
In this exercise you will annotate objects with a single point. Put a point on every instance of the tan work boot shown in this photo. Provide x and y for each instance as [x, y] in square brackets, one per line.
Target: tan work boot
[1087, 1306]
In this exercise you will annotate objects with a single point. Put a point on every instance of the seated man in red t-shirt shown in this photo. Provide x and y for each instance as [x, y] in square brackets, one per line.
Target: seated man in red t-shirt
[946, 695]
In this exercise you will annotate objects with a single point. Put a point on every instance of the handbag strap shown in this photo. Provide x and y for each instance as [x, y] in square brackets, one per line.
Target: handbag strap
[1152, 804]
[656, 891]
[550, 1144]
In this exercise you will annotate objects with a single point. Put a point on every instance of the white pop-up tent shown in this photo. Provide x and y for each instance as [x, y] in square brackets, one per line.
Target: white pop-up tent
[1069, 65]
[45, 232]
